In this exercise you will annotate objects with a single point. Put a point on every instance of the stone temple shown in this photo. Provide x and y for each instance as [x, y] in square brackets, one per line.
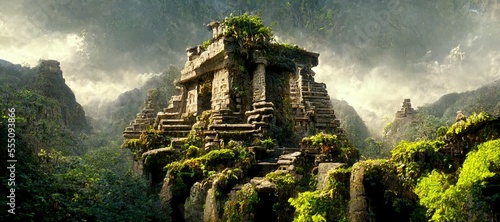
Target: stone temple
[245, 93]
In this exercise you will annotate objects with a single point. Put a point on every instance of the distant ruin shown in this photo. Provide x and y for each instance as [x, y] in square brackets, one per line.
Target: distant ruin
[406, 110]
[247, 91]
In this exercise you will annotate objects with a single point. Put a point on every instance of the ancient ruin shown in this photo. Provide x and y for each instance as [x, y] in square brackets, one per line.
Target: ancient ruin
[406, 110]
[248, 112]
[143, 119]
[247, 90]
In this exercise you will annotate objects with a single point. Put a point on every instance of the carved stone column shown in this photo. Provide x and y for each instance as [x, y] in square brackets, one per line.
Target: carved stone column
[259, 77]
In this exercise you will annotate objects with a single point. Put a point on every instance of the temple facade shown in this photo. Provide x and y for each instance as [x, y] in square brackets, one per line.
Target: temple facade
[246, 93]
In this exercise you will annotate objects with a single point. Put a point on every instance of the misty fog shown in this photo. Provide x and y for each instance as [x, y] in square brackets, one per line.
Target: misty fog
[373, 53]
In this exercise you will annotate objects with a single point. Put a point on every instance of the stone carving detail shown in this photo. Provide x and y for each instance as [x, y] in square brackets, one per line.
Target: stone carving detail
[259, 77]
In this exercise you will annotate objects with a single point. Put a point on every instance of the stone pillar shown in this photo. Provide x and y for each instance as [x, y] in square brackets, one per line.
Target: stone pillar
[259, 77]
[214, 26]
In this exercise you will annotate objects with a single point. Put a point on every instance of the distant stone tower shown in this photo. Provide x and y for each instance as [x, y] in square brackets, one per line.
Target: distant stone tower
[406, 110]
[248, 91]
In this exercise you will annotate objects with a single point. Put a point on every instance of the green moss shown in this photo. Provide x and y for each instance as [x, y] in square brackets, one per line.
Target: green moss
[336, 148]
[215, 160]
[330, 204]
[155, 160]
[206, 43]
[285, 56]
[192, 152]
[413, 160]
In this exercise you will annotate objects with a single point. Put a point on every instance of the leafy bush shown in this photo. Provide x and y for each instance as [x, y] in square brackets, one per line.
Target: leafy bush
[335, 148]
[325, 205]
[463, 200]
[285, 188]
[248, 30]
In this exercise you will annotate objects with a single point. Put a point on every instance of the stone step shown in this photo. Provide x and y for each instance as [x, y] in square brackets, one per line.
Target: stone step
[178, 141]
[327, 98]
[328, 112]
[177, 133]
[173, 122]
[315, 93]
[176, 127]
[230, 127]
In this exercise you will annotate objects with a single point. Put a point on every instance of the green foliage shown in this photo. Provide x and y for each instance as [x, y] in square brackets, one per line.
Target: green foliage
[311, 206]
[241, 209]
[463, 200]
[66, 175]
[336, 149]
[248, 30]
[134, 145]
[330, 204]
[483, 99]
[208, 164]
[192, 152]
[268, 143]
[153, 139]
[375, 148]
[149, 140]
[194, 137]
[219, 156]
[96, 186]
[416, 159]
[285, 188]
[473, 121]
[206, 43]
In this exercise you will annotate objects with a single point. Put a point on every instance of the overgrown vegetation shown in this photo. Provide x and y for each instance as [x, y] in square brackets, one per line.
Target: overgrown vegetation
[248, 30]
[473, 197]
[330, 204]
[334, 148]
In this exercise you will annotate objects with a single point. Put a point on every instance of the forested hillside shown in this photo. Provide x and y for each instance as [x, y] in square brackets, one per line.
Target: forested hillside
[62, 169]
[432, 119]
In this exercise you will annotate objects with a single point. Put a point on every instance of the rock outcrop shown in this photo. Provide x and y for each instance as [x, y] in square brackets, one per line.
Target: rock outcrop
[49, 82]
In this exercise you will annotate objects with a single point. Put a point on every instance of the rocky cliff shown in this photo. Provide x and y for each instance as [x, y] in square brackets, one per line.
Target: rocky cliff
[49, 82]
